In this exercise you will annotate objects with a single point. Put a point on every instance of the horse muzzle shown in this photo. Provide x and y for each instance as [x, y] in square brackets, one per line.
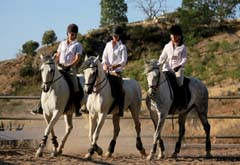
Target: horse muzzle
[45, 88]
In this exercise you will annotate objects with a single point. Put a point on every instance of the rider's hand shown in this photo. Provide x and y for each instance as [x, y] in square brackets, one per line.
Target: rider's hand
[177, 68]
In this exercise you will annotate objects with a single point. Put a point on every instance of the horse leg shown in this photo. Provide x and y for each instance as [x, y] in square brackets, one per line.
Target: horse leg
[116, 130]
[43, 142]
[161, 149]
[94, 133]
[51, 121]
[181, 122]
[139, 145]
[92, 119]
[157, 134]
[207, 127]
[55, 144]
[69, 127]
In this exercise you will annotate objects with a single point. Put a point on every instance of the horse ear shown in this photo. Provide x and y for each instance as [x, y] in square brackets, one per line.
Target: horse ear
[41, 57]
[54, 56]
[86, 57]
[97, 58]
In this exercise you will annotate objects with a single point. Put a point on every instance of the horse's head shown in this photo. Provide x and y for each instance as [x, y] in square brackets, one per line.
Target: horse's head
[152, 71]
[47, 71]
[90, 69]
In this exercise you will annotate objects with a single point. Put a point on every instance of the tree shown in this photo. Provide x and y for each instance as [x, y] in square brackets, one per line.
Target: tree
[205, 12]
[49, 37]
[30, 47]
[223, 8]
[150, 8]
[113, 12]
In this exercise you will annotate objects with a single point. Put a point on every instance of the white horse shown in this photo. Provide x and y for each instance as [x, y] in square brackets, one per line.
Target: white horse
[159, 102]
[100, 100]
[54, 98]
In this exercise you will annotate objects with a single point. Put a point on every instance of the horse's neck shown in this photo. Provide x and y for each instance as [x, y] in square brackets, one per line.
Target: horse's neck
[59, 80]
[102, 82]
[164, 88]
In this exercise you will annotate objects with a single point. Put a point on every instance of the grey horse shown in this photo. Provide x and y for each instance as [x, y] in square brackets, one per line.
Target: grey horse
[159, 101]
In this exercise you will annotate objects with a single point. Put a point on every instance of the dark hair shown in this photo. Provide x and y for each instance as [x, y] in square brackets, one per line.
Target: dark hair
[176, 30]
[72, 28]
[116, 30]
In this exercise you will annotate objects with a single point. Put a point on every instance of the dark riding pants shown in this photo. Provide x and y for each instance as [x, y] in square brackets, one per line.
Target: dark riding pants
[116, 83]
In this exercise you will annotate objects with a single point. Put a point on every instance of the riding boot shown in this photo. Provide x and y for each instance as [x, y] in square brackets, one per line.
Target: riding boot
[38, 109]
[182, 97]
[77, 101]
[120, 100]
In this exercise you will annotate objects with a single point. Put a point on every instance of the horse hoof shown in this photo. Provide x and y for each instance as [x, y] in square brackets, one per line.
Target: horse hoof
[174, 155]
[59, 152]
[54, 154]
[99, 151]
[160, 156]
[108, 154]
[88, 156]
[37, 155]
[208, 156]
[149, 157]
[143, 153]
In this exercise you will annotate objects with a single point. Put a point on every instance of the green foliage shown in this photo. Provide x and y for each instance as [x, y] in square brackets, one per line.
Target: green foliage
[113, 12]
[27, 70]
[213, 47]
[225, 46]
[49, 37]
[135, 71]
[188, 70]
[30, 47]
[196, 13]
[92, 46]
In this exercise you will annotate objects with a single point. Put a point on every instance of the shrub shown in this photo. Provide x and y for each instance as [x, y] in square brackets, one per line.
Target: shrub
[27, 70]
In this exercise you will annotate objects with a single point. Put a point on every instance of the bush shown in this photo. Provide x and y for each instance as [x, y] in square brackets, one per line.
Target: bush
[30, 47]
[27, 70]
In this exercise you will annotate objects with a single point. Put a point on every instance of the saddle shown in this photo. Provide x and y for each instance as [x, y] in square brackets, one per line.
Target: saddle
[181, 95]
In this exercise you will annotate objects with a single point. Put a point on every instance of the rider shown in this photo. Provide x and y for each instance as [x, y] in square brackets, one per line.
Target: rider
[174, 56]
[68, 55]
[114, 58]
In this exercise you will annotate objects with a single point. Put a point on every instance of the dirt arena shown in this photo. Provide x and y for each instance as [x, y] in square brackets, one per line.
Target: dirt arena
[125, 151]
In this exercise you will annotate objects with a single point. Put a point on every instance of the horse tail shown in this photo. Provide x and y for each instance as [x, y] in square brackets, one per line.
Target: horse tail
[193, 118]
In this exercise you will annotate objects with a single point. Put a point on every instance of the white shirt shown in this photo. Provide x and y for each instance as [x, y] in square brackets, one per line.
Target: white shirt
[69, 51]
[115, 55]
[173, 56]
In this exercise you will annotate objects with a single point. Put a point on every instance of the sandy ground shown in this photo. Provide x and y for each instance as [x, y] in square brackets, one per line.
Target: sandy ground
[125, 151]
[188, 156]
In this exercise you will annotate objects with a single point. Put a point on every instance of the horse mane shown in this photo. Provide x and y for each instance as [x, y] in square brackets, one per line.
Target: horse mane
[88, 62]
[151, 65]
[47, 58]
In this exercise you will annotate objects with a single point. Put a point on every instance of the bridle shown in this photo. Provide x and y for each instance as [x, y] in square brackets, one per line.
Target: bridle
[93, 83]
[50, 82]
[158, 80]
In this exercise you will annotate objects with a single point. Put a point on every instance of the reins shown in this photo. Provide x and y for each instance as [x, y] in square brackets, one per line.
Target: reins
[158, 81]
[94, 81]
[53, 75]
